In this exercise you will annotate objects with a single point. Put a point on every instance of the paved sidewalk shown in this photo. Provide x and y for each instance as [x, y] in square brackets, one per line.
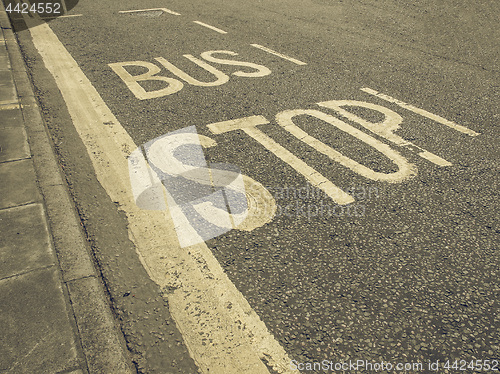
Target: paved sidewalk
[54, 316]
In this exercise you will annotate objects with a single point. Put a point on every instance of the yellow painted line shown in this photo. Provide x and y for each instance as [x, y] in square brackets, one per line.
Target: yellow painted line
[152, 9]
[285, 57]
[422, 112]
[221, 330]
[211, 27]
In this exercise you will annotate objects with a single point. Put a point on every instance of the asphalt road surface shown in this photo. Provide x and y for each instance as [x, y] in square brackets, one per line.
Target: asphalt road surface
[372, 228]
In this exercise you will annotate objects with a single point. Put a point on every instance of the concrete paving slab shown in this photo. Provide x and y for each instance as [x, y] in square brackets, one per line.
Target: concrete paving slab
[10, 118]
[37, 336]
[13, 144]
[17, 184]
[24, 243]
[4, 57]
[7, 87]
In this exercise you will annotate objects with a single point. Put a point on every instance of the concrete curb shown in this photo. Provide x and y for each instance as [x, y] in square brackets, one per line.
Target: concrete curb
[102, 342]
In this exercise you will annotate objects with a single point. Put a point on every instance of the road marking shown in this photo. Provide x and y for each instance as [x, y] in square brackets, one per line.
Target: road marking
[65, 16]
[174, 85]
[268, 50]
[249, 126]
[221, 78]
[429, 156]
[211, 27]
[219, 193]
[385, 129]
[405, 169]
[261, 70]
[150, 10]
[70, 15]
[422, 112]
[221, 330]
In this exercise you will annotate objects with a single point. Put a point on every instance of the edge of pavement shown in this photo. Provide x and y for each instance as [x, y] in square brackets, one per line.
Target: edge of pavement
[101, 339]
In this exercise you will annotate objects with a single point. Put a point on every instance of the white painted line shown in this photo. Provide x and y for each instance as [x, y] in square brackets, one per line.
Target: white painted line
[211, 27]
[268, 50]
[65, 16]
[221, 330]
[422, 112]
[70, 15]
[434, 158]
[148, 10]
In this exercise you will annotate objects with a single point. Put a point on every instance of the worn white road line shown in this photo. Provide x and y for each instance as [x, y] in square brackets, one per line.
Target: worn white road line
[65, 16]
[268, 50]
[211, 27]
[148, 10]
[70, 15]
[422, 112]
[221, 330]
